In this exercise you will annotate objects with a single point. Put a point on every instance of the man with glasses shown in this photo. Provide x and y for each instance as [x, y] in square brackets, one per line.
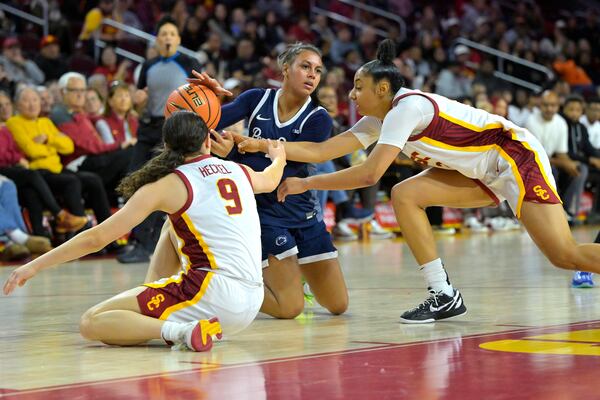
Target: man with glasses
[101, 165]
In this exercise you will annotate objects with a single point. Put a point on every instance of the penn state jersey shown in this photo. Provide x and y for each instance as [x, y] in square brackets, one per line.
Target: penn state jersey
[218, 229]
[310, 124]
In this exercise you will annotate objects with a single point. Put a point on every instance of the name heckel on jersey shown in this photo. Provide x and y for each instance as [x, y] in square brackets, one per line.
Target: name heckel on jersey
[211, 169]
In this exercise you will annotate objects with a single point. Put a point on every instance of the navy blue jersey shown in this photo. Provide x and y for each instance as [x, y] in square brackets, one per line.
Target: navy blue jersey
[310, 124]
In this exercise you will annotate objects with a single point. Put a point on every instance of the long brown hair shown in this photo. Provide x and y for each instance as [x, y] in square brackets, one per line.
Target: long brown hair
[183, 135]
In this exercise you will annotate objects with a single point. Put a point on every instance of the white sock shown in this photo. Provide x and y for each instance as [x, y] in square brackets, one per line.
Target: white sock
[172, 331]
[18, 236]
[436, 277]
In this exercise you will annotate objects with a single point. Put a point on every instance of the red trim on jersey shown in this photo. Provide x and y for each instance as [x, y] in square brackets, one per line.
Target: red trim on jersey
[190, 193]
[154, 302]
[191, 245]
[436, 113]
[453, 134]
[199, 158]
[245, 169]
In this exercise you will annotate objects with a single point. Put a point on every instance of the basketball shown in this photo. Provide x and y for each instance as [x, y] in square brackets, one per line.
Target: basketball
[197, 98]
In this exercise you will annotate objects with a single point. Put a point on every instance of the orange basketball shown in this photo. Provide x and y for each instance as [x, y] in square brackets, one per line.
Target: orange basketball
[197, 98]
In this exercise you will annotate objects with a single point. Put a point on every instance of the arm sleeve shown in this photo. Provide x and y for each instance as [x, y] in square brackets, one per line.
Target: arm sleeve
[240, 108]
[34, 72]
[104, 131]
[31, 149]
[142, 83]
[563, 145]
[62, 143]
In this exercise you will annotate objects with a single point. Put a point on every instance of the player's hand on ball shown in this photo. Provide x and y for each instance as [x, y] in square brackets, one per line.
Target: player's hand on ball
[291, 186]
[202, 78]
[18, 278]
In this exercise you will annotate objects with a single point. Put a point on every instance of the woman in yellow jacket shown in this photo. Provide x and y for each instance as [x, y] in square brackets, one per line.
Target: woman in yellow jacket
[42, 143]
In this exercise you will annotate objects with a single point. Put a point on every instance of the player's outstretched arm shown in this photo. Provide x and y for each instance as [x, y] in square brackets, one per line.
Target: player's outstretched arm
[168, 194]
[205, 79]
[337, 146]
[358, 176]
[267, 180]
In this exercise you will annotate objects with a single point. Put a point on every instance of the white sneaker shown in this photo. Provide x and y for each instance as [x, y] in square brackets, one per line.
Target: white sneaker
[501, 224]
[377, 232]
[444, 231]
[342, 231]
[474, 225]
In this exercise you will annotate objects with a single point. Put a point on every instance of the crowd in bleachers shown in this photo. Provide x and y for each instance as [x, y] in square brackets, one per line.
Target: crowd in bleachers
[74, 118]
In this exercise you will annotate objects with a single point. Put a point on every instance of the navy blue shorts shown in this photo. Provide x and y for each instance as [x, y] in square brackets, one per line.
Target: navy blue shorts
[311, 244]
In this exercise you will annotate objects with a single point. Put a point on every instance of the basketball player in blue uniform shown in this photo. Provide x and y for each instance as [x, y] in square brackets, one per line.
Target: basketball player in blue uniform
[295, 240]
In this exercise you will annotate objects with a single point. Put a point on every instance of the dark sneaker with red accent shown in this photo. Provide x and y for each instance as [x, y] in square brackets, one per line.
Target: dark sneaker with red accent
[200, 336]
[437, 307]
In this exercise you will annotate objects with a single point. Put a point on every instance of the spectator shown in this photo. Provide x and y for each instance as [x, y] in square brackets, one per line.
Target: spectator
[119, 123]
[193, 36]
[93, 23]
[18, 68]
[49, 58]
[580, 148]
[452, 83]
[341, 45]
[553, 133]
[94, 104]
[273, 32]
[519, 111]
[91, 155]
[591, 120]
[109, 68]
[42, 144]
[35, 194]
[47, 100]
[21, 244]
[6, 108]
[246, 64]
[6, 85]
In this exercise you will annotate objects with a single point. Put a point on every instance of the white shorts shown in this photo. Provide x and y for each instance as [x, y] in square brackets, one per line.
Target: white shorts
[200, 294]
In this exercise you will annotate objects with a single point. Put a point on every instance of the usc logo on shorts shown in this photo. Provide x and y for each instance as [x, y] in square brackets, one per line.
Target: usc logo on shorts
[541, 193]
[155, 302]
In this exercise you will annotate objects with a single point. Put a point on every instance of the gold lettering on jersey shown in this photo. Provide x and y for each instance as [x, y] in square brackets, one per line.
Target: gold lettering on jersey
[416, 157]
[212, 169]
[541, 193]
[193, 96]
[155, 301]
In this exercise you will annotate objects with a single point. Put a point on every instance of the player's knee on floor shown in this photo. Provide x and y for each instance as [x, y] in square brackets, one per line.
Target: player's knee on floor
[291, 308]
[86, 325]
[338, 308]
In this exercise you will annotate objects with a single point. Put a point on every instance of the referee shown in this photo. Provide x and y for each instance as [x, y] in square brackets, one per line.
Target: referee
[159, 76]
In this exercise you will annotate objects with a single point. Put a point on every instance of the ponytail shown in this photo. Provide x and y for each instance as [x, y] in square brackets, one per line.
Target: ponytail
[383, 66]
[183, 135]
[158, 167]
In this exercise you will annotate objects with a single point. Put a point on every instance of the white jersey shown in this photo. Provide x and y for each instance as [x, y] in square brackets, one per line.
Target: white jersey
[438, 132]
[218, 229]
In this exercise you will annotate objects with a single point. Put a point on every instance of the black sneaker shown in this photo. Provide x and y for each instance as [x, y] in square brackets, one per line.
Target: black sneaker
[438, 306]
[137, 254]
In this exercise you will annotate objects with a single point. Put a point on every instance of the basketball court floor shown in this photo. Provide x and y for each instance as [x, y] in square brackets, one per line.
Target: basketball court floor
[527, 335]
